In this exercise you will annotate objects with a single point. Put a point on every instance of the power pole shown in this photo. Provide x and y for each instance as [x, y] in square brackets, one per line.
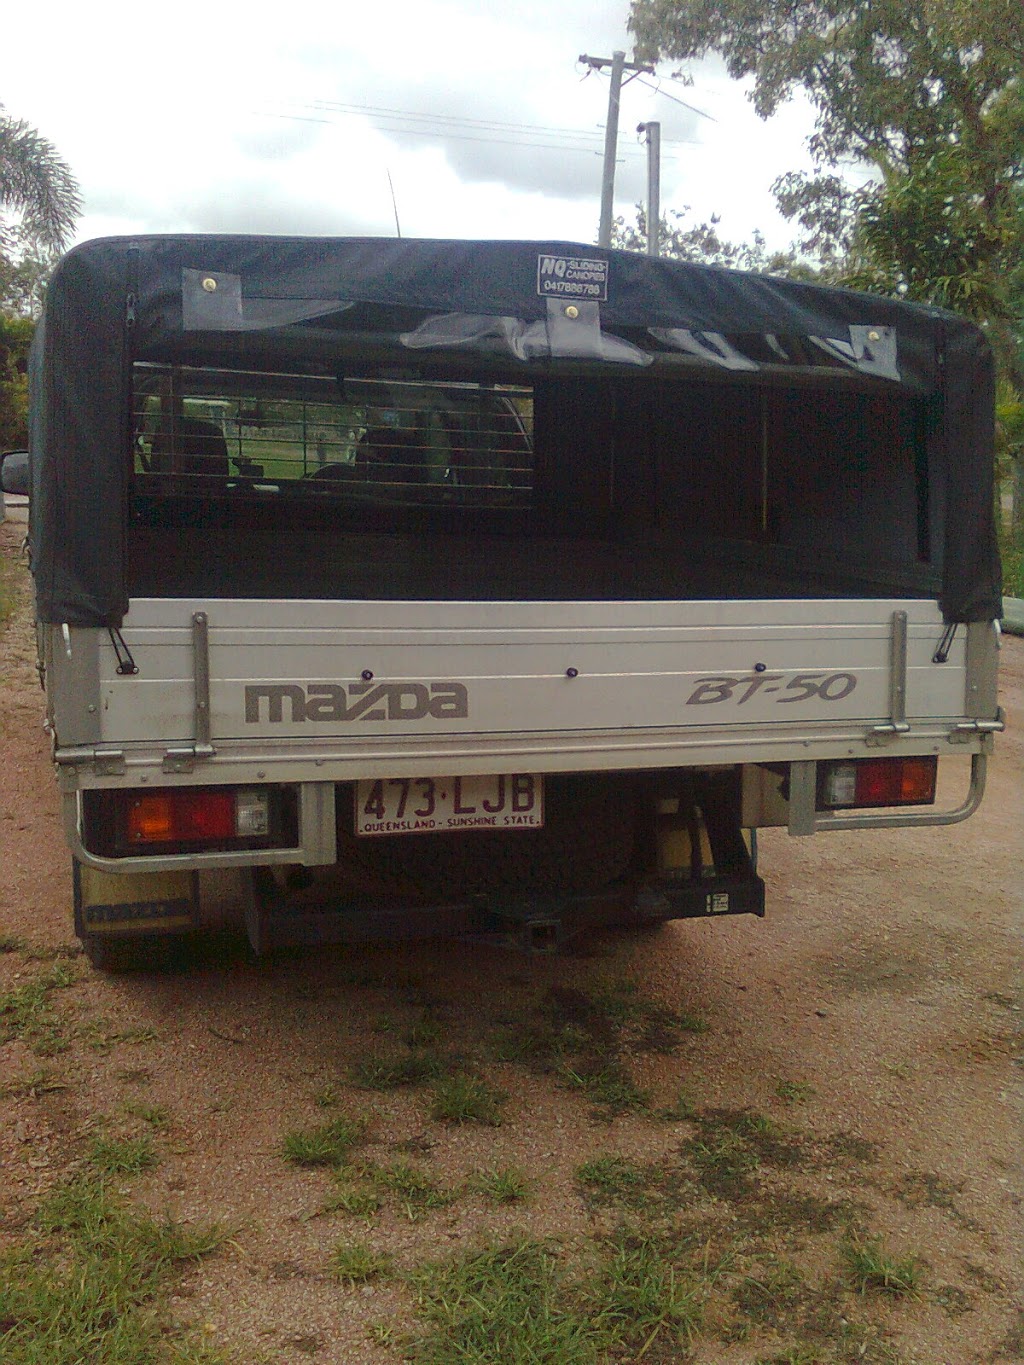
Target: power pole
[652, 132]
[617, 62]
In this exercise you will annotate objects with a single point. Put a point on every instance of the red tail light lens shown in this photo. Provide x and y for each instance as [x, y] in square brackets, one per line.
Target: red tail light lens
[181, 817]
[854, 783]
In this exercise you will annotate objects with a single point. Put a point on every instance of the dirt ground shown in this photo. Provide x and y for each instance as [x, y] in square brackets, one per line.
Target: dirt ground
[773, 1093]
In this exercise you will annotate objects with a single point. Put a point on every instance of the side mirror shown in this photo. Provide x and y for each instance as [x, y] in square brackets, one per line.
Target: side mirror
[14, 477]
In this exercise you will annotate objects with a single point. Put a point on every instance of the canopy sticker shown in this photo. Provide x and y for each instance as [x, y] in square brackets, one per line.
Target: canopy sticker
[572, 277]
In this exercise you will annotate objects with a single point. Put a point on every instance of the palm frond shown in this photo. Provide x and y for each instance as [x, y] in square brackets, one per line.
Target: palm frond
[37, 183]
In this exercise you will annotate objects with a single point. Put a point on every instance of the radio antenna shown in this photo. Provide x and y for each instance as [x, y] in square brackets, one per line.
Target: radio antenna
[394, 202]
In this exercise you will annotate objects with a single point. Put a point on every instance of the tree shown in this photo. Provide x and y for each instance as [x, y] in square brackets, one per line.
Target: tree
[15, 338]
[702, 242]
[928, 93]
[39, 205]
[36, 183]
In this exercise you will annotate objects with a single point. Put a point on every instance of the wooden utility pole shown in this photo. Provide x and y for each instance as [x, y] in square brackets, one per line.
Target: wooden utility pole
[617, 62]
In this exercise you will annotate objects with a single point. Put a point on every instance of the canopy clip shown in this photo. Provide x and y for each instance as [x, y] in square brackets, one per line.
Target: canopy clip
[126, 665]
[945, 644]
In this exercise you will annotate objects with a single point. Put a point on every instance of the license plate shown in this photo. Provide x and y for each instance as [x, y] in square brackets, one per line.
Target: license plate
[432, 805]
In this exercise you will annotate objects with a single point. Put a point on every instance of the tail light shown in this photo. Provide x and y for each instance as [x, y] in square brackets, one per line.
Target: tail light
[849, 784]
[193, 817]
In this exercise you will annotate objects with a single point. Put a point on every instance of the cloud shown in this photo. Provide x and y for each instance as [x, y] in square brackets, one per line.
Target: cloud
[479, 112]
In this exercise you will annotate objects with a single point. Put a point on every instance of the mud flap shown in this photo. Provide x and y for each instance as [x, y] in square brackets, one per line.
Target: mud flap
[121, 906]
[706, 868]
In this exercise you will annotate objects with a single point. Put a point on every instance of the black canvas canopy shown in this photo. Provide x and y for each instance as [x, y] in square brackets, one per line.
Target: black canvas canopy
[281, 303]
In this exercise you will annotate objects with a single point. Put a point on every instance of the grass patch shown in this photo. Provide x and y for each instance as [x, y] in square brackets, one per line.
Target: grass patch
[607, 1179]
[794, 1212]
[358, 1200]
[27, 1012]
[795, 1092]
[356, 1263]
[42, 1081]
[871, 1269]
[156, 1115]
[51, 952]
[582, 1037]
[679, 1112]
[1011, 551]
[504, 1185]
[11, 943]
[135, 1075]
[89, 1285]
[11, 584]
[123, 1156]
[465, 1099]
[642, 1296]
[390, 1072]
[511, 1303]
[775, 1298]
[608, 1086]
[100, 1037]
[724, 1160]
[730, 1147]
[327, 1145]
[417, 1192]
[425, 1032]
[649, 1025]
[520, 1303]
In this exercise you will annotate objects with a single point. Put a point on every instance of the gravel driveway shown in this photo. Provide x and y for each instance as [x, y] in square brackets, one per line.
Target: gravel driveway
[795, 1140]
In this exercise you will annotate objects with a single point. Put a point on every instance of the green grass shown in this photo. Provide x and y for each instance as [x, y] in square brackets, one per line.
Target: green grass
[10, 587]
[731, 1145]
[327, 1145]
[27, 1012]
[504, 1185]
[465, 1099]
[522, 1303]
[773, 1298]
[416, 1191]
[42, 1081]
[88, 1285]
[356, 1263]
[1011, 550]
[607, 1085]
[100, 1037]
[123, 1156]
[644, 1297]
[357, 1200]
[652, 1026]
[794, 1092]
[156, 1115]
[426, 1032]
[390, 1072]
[871, 1268]
[512, 1303]
[612, 1177]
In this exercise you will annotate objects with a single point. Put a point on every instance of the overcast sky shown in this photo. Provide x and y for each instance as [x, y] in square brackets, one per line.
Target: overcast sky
[219, 117]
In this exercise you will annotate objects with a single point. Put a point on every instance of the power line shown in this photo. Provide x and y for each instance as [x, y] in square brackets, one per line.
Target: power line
[449, 136]
[396, 120]
[458, 119]
[675, 99]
